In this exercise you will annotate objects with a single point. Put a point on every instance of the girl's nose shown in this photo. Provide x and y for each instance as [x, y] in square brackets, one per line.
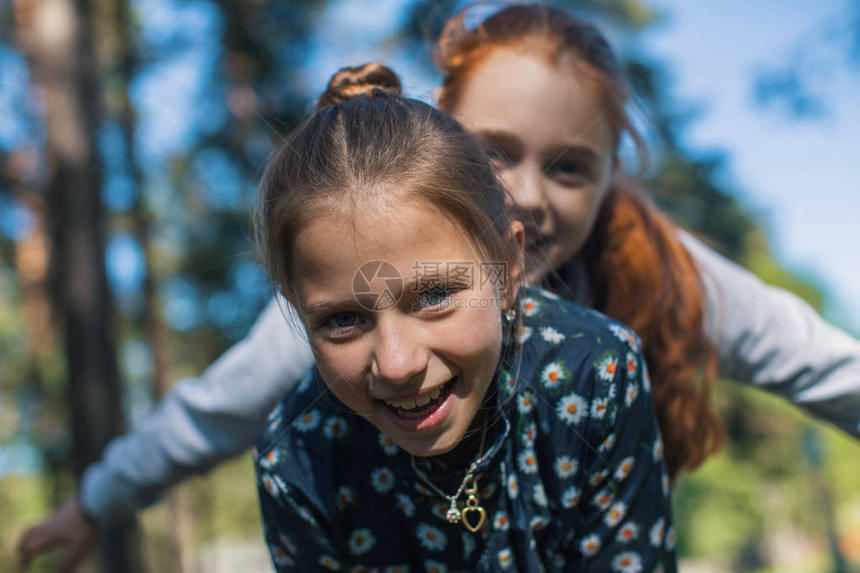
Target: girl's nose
[526, 185]
[400, 352]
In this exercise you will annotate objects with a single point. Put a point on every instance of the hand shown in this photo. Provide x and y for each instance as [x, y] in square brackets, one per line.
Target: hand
[68, 529]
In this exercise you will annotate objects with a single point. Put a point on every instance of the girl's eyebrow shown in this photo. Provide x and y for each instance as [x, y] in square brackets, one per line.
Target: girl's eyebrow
[499, 136]
[577, 151]
[326, 307]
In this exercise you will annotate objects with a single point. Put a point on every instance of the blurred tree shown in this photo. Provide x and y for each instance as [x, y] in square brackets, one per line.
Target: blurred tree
[63, 57]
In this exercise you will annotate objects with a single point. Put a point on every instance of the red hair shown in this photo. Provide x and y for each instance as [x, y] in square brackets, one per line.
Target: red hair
[633, 251]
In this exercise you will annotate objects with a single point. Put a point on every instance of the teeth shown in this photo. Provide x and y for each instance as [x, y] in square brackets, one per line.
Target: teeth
[419, 402]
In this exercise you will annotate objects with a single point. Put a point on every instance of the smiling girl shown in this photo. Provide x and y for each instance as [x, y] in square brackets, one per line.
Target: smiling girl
[443, 429]
[546, 93]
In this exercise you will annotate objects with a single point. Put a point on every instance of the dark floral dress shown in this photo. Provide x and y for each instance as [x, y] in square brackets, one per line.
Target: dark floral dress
[574, 479]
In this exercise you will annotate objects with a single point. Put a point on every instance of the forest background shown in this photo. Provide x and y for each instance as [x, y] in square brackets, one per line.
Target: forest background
[132, 135]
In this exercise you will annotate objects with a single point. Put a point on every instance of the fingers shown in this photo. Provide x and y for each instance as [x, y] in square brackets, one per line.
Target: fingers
[35, 540]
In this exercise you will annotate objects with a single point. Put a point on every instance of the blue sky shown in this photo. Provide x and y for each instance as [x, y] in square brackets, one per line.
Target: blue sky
[804, 176]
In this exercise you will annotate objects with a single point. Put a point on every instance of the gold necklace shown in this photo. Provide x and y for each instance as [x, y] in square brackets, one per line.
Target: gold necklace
[473, 515]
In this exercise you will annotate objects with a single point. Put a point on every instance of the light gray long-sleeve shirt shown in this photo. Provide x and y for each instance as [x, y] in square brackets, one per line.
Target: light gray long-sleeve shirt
[763, 335]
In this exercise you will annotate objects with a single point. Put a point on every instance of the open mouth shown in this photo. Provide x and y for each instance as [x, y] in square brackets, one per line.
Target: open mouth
[422, 406]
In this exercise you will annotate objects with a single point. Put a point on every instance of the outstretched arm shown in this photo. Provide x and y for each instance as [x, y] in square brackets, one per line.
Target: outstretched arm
[769, 337]
[199, 423]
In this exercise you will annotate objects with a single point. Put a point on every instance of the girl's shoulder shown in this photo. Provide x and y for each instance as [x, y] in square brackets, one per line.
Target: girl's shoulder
[574, 359]
[551, 320]
[304, 409]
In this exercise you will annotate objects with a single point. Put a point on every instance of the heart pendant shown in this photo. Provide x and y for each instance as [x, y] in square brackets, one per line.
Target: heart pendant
[467, 520]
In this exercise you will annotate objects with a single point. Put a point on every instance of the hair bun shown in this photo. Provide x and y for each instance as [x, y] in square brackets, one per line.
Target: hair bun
[353, 82]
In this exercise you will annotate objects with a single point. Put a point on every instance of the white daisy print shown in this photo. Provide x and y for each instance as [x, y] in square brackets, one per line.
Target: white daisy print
[553, 374]
[551, 335]
[527, 461]
[630, 395]
[598, 478]
[646, 381]
[655, 534]
[627, 562]
[539, 495]
[558, 561]
[606, 368]
[431, 538]
[624, 468]
[280, 558]
[632, 365]
[423, 489]
[513, 486]
[431, 566]
[307, 421]
[530, 306]
[524, 334]
[549, 294]
[538, 522]
[603, 499]
[396, 569]
[607, 444]
[329, 562]
[599, 408]
[305, 382]
[273, 421]
[525, 402]
[665, 484]
[334, 428]
[506, 558]
[306, 515]
[388, 445]
[570, 497]
[344, 497]
[615, 514]
[361, 541]
[287, 542]
[624, 335]
[530, 433]
[628, 532]
[572, 409]
[270, 460]
[590, 545]
[405, 504]
[500, 521]
[273, 484]
[670, 538]
[658, 448]
[382, 480]
[565, 466]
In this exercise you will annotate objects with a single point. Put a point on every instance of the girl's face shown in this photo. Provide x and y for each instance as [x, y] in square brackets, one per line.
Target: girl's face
[417, 367]
[555, 149]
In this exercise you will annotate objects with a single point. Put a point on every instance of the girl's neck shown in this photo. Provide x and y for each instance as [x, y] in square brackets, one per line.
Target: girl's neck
[473, 445]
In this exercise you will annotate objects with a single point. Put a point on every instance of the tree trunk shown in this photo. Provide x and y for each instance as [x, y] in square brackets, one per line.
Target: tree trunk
[64, 61]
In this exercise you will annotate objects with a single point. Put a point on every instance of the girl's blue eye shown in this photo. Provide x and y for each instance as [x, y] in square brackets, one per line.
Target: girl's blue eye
[344, 320]
[431, 298]
[567, 168]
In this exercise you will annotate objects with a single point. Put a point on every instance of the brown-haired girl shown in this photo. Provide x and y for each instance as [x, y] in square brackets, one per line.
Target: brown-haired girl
[547, 92]
[439, 431]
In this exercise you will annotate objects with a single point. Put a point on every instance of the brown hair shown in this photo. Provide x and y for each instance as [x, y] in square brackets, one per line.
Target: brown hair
[366, 145]
[633, 250]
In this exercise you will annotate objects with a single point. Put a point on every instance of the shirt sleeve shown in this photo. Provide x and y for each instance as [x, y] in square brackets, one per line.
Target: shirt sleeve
[200, 421]
[625, 521]
[772, 339]
[295, 529]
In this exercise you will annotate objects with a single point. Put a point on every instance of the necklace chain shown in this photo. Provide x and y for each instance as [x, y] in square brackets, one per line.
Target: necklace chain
[454, 514]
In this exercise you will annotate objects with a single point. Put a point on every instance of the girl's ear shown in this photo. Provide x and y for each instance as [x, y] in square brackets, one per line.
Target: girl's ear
[517, 235]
